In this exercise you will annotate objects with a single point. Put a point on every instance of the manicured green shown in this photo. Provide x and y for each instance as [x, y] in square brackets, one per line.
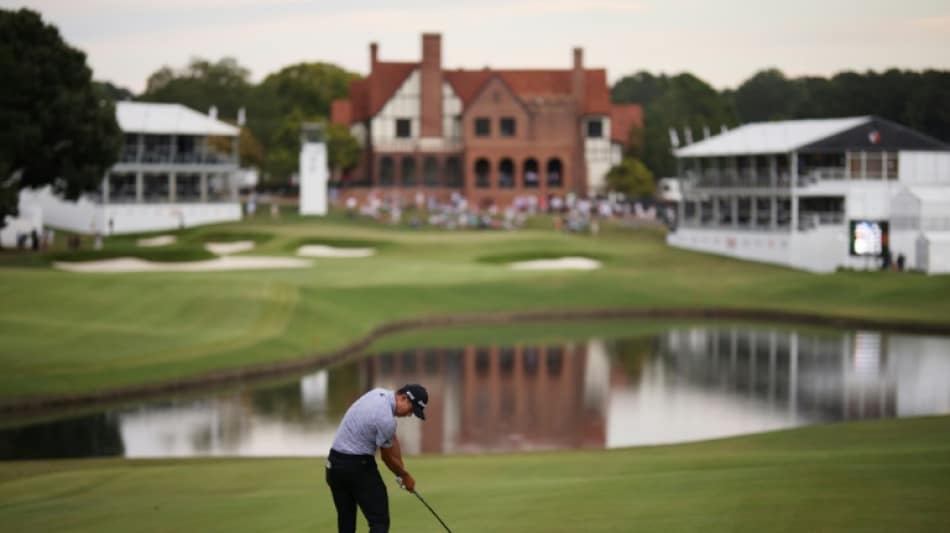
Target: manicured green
[65, 332]
[880, 476]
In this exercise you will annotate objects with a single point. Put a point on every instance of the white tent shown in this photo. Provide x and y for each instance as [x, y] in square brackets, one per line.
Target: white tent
[933, 252]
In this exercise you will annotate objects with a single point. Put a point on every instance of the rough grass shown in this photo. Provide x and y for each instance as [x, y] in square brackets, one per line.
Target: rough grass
[880, 476]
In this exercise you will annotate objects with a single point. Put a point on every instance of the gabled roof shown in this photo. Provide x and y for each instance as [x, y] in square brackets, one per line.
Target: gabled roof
[770, 137]
[169, 119]
[501, 81]
[385, 81]
[369, 95]
[535, 83]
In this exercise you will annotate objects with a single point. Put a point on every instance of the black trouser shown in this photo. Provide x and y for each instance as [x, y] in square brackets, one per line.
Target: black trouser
[355, 480]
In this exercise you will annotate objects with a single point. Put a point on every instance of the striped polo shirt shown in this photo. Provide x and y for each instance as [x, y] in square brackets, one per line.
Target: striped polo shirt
[368, 424]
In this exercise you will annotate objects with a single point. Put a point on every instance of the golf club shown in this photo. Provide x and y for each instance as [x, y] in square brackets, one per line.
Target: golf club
[431, 510]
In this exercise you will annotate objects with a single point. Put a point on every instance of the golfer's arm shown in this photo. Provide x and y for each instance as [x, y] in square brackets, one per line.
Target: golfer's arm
[392, 456]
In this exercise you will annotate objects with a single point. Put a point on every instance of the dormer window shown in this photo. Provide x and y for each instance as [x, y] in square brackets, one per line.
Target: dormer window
[595, 129]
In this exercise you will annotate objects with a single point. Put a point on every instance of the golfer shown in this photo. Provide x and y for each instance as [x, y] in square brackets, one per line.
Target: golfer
[352, 475]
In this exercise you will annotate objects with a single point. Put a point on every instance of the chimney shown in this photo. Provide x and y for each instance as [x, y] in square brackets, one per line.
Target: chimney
[577, 76]
[579, 166]
[431, 85]
[373, 51]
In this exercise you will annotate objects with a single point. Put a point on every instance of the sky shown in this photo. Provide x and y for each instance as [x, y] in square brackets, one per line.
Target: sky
[722, 41]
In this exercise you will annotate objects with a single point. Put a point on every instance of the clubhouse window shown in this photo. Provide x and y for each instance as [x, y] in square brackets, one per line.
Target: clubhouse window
[403, 128]
[507, 127]
[482, 127]
[595, 129]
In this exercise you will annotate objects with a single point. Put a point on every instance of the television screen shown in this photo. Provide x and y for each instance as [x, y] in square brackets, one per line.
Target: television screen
[868, 237]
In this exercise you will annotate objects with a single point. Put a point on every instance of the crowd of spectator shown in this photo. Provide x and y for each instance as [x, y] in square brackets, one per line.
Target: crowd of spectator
[569, 213]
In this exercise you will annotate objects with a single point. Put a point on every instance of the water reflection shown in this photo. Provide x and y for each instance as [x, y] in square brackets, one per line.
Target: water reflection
[689, 383]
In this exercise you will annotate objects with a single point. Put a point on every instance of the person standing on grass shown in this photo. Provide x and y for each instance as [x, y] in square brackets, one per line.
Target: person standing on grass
[370, 424]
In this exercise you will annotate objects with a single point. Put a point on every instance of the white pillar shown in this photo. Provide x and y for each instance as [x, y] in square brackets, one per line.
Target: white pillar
[793, 160]
[172, 187]
[773, 220]
[139, 187]
[773, 170]
[204, 187]
[753, 211]
[313, 178]
[734, 207]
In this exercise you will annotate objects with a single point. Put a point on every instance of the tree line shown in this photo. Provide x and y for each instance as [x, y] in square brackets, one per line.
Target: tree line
[920, 100]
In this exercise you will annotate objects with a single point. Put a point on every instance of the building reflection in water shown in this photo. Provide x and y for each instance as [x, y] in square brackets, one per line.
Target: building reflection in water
[498, 398]
[689, 383]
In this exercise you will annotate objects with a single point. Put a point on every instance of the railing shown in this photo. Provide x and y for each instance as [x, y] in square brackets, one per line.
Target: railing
[695, 180]
[807, 221]
[130, 155]
[828, 173]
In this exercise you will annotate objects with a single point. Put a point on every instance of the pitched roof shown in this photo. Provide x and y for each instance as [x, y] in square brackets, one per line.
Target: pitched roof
[169, 119]
[368, 96]
[527, 83]
[623, 117]
[383, 83]
[770, 137]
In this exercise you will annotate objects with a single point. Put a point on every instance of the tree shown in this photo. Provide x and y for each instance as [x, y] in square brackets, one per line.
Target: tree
[768, 95]
[343, 150]
[113, 92]
[284, 100]
[57, 128]
[632, 178]
[223, 84]
[920, 100]
[685, 102]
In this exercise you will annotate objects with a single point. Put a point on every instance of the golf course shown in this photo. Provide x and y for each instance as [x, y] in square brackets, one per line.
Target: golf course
[68, 334]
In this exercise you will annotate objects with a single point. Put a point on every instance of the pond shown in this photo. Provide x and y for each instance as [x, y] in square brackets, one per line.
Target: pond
[685, 383]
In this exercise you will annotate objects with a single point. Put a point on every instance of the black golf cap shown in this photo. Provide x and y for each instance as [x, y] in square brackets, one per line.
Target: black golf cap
[418, 396]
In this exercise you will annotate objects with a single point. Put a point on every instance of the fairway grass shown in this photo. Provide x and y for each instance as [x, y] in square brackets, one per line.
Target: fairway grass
[65, 333]
[882, 476]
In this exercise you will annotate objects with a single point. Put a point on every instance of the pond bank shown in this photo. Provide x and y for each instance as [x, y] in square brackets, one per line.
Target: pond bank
[36, 405]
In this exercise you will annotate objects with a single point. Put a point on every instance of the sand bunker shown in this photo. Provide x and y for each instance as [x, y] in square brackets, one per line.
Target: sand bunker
[228, 248]
[319, 250]
[561, 263]
[131, 264]
[154, 242]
